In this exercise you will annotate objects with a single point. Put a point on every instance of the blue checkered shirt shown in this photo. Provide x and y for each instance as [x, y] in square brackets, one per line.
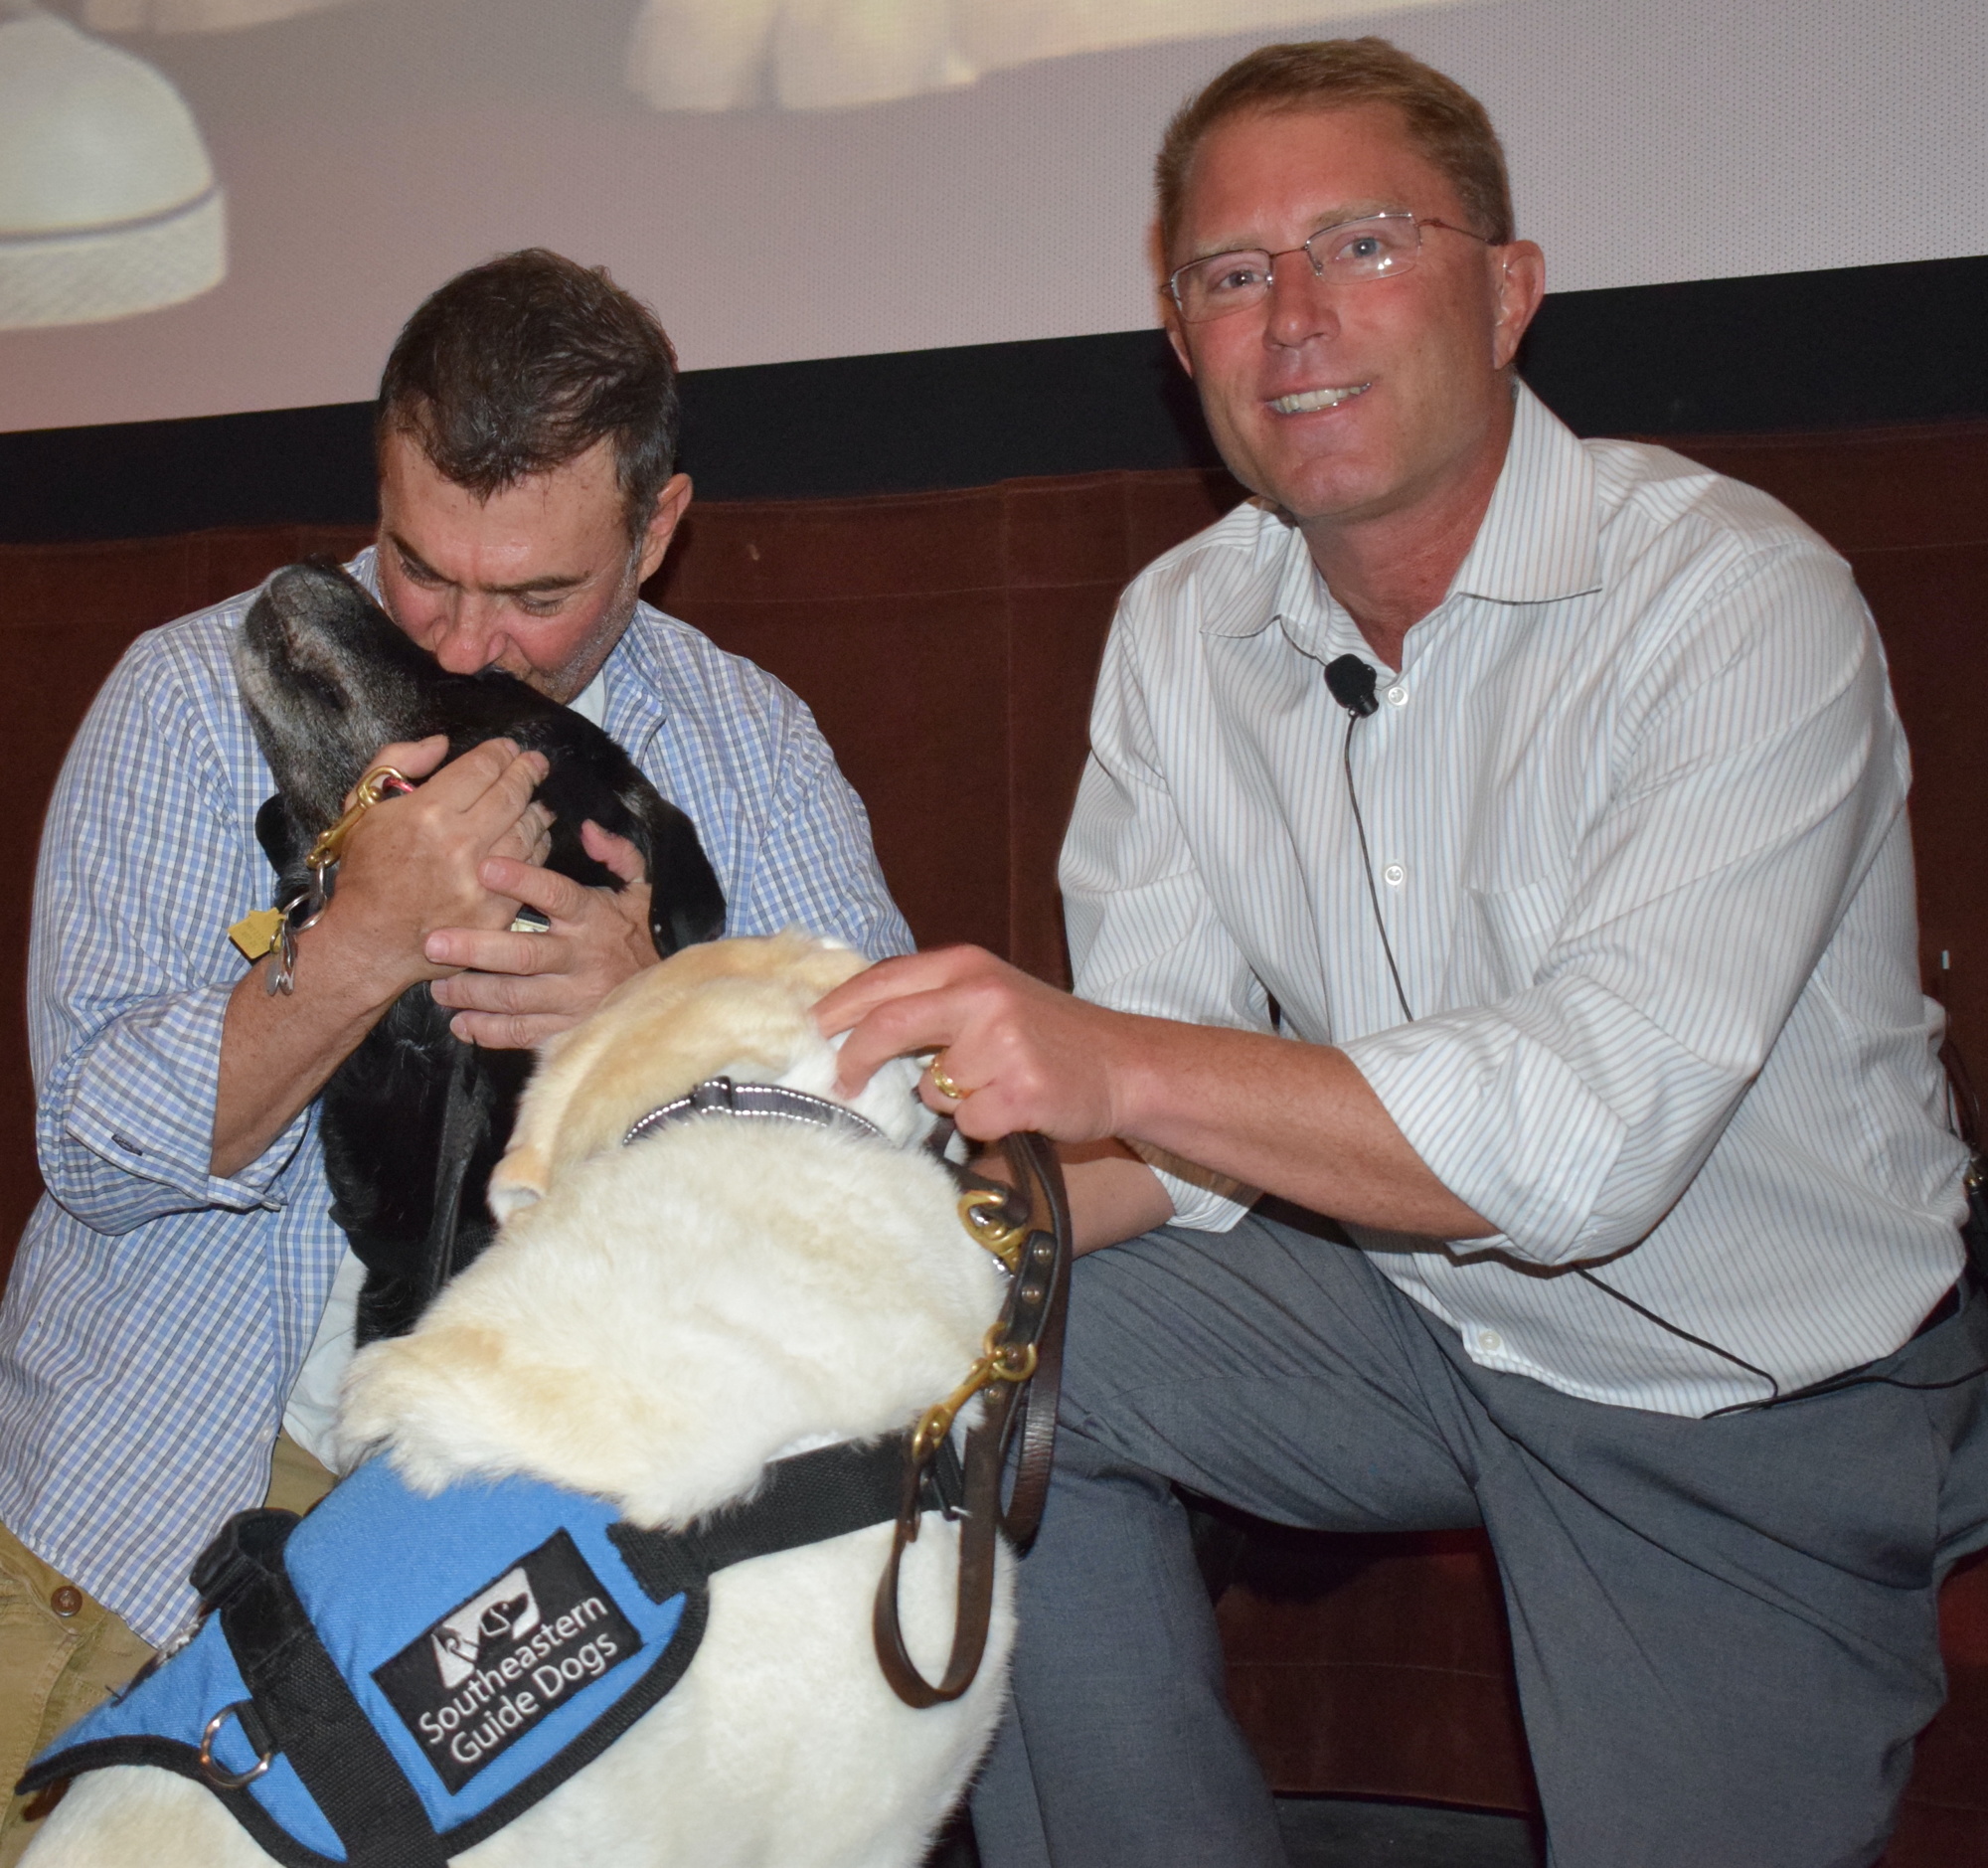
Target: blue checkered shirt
[157, 1316]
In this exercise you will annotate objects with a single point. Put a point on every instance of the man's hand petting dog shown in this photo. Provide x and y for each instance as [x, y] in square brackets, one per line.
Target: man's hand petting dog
[412, 864]
[519, 990]
[1296, 1120]
[1025, 1055]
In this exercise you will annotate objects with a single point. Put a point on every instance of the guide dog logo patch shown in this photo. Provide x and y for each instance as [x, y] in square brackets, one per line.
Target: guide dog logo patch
[506, 1611]
[498, 1664]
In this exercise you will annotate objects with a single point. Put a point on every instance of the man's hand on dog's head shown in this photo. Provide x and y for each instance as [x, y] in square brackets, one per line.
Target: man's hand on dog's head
[414, 864]
[1026, 1055]
[519, 990]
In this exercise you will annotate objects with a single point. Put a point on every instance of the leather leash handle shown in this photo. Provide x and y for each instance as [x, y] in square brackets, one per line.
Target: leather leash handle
[1033, 1421]
[973, 1605]
[1033, 1317]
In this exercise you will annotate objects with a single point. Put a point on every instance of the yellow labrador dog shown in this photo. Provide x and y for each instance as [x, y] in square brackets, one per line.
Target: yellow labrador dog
[660, 1323]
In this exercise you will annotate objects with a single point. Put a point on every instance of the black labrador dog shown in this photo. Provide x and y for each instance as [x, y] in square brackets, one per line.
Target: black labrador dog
[414, 1120]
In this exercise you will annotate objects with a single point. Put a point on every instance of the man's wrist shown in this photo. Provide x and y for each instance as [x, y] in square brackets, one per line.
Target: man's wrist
[1144, 1072]
[368, 966]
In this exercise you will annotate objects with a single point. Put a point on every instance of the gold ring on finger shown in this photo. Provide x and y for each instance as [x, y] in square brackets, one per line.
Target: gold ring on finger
[944, 1085]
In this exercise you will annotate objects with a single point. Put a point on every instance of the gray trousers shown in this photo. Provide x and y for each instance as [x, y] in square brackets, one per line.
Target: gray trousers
[1725, 1630]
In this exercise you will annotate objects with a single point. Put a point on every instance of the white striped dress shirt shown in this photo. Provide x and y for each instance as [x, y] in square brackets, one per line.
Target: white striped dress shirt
[1635, 802]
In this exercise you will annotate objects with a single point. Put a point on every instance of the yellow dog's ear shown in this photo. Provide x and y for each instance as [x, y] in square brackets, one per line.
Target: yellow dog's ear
[516, 1184]
[566, 1068]
[521, 1178]
[711, 1008]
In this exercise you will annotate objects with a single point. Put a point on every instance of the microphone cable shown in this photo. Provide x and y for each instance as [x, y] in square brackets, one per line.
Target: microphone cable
[1351, 683]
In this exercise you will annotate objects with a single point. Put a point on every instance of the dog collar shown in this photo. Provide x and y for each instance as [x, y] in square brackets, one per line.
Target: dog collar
[719, 1095]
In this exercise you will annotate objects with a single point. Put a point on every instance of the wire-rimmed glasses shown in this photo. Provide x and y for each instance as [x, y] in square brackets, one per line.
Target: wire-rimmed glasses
[1375, 247]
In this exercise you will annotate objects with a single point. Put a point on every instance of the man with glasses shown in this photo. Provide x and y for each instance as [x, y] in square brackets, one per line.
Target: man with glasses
[184, 1304]
[1495, 841]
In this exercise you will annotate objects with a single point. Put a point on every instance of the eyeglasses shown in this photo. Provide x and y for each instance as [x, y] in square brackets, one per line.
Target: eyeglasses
[1376, 246]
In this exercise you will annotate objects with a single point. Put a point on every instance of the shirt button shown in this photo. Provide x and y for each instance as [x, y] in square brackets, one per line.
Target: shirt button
[1398, 696]
[1394, 875]
[66, 1600]
[1490, 1341]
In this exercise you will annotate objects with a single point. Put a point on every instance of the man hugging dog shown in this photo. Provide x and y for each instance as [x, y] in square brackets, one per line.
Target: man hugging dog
[182, 1305]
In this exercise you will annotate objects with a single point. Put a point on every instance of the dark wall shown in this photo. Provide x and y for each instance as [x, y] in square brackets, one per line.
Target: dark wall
[1794, 351]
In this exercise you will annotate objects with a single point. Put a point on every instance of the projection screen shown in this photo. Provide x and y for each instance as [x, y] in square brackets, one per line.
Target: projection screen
[208, 206]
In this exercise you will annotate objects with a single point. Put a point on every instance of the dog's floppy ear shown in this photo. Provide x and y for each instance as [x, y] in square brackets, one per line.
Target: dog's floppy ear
[722, 1006]
[520, 1177]
[525, 1173]
[516, 1185]
[541, 1137]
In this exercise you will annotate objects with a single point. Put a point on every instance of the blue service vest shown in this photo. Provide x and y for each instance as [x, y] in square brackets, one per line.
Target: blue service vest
[485, 1633]
[439, 1664]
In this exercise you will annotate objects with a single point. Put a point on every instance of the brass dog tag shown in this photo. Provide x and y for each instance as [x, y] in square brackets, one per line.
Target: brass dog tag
[255, 934]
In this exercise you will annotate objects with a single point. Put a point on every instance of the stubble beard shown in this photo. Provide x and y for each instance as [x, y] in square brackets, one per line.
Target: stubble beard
[568, 683]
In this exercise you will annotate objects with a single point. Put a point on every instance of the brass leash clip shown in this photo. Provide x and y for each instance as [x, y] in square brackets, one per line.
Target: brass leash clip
[302, 910]
[1000, 1361]
[330, 846]
[984, 1211]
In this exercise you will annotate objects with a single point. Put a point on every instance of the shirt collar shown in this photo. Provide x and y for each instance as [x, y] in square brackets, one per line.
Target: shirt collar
[1539, 541]
[638, 680]
[1540, 536]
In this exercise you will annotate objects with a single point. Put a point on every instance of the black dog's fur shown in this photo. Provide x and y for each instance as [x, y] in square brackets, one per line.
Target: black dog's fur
[414, 1121]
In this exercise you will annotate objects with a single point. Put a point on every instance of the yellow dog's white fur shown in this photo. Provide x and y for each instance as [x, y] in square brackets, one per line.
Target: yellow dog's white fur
[655, 1324]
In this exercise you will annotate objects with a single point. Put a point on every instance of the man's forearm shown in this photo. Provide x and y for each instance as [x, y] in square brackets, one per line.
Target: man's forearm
[277, 1051]
[1294, 1120]
[1370, 1175]
[1113, 1195]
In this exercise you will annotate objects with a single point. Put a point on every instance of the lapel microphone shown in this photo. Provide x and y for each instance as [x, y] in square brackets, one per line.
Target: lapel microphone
[1351, 683]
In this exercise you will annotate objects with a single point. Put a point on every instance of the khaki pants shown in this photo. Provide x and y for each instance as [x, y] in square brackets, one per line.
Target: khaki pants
[63, 1654]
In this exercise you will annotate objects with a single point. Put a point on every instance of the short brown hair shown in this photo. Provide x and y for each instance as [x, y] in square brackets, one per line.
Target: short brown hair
[1444, 121]
[521, 365]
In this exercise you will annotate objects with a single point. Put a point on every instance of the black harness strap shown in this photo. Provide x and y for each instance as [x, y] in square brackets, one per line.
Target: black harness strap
[807, 1500]
[303, 1704]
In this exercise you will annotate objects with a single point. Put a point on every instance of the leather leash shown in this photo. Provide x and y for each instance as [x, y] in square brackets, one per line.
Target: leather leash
[1018, 1377]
